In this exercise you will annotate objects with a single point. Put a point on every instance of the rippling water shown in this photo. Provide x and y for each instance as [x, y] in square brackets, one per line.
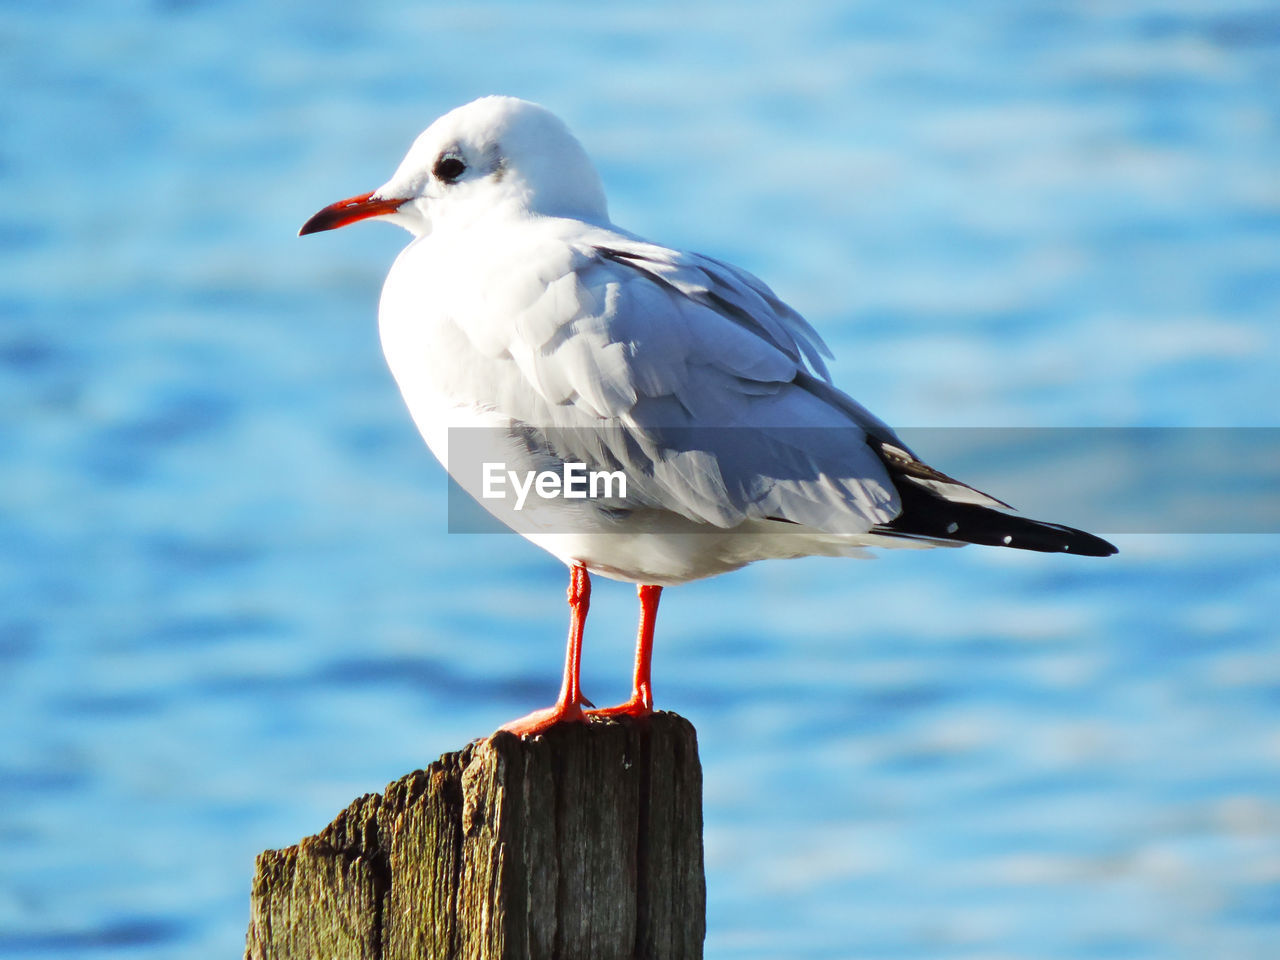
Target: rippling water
[228, 604]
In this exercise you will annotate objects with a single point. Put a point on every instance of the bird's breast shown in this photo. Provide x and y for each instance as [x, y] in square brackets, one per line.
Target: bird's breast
[455, 320]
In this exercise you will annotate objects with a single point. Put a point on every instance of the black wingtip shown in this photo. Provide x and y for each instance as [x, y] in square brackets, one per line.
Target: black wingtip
[926, 515]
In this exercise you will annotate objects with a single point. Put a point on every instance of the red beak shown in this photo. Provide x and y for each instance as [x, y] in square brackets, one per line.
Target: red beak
[349, 211]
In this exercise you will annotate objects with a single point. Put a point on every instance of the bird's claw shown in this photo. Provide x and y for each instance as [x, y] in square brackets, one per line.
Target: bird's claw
[540, 721]
[635, 707]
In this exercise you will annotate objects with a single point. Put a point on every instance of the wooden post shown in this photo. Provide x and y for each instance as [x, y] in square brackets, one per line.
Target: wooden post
[582, 844]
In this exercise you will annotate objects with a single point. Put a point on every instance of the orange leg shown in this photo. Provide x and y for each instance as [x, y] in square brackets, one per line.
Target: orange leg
[568, 708]
[641, 702]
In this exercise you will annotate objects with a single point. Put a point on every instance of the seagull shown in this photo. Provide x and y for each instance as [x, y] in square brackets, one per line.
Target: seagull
[530, 337]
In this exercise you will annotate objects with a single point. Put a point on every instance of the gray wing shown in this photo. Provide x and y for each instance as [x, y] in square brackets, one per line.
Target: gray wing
[699, 383]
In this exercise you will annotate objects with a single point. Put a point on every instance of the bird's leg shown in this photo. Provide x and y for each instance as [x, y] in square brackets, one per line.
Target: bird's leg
[568, 708]
[641, 702]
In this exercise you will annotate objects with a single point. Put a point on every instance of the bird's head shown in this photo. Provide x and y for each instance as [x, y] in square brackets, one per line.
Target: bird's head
[497, 156]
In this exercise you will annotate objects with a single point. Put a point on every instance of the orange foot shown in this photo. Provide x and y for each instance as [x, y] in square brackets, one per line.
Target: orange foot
[635, 707]
[543, 720]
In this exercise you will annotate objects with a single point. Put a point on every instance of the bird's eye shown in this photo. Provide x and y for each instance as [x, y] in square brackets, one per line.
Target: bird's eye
[449, 168]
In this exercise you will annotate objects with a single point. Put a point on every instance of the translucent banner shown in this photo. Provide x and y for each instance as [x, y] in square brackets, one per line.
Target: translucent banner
[1104, 480]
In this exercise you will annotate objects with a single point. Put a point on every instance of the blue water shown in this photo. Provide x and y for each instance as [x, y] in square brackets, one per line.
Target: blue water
[228, 603]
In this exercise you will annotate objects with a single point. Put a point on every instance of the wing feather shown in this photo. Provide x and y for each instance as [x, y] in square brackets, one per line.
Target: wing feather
[705, 371]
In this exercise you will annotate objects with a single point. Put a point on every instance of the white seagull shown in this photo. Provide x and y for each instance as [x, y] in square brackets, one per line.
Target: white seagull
[518, 308]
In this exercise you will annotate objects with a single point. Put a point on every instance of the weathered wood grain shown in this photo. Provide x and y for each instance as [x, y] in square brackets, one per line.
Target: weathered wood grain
[583, 843]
